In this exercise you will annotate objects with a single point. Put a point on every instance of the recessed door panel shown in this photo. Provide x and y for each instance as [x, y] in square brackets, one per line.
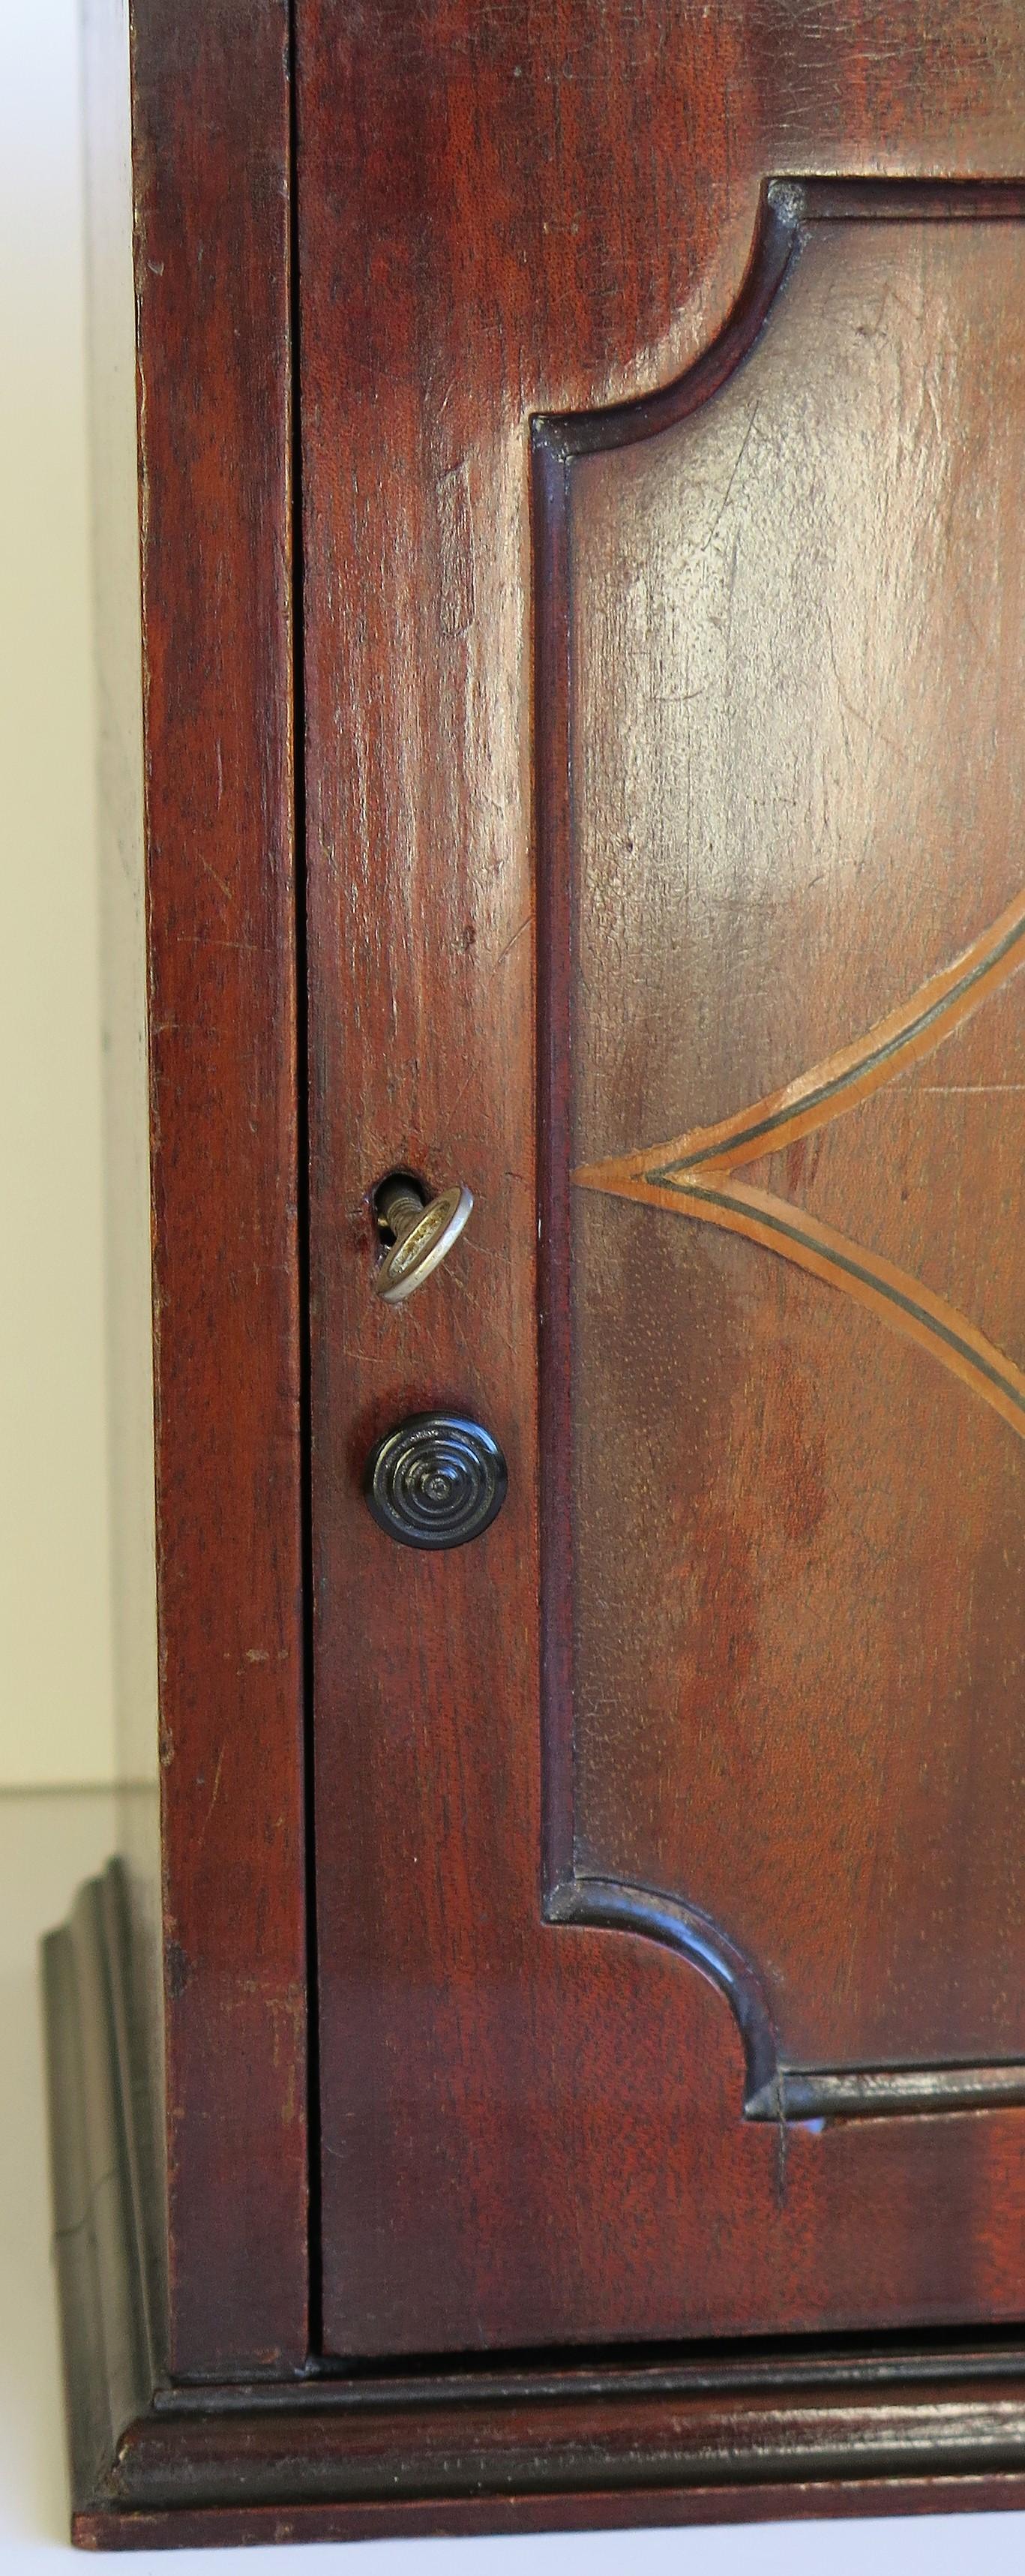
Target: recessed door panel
[787, 1192]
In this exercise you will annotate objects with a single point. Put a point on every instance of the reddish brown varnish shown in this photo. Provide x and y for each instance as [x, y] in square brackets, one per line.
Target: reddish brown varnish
[759, 1698]
[644, 387]
[211, 161]
[689, 1176]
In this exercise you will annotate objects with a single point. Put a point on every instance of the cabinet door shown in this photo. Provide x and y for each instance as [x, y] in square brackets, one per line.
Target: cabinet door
[663, 424]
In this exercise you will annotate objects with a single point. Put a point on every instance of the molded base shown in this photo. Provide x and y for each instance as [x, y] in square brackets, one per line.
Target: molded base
[697, 2435]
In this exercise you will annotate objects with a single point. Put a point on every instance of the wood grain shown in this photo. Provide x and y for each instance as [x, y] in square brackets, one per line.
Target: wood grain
[533, 2133]
[920, 1025]
[688, 1176]
[808, 797]
[518, 2445]
[697, 1781]
[211, 174]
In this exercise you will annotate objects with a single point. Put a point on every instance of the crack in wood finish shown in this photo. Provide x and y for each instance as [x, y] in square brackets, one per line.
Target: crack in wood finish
[691, 1175]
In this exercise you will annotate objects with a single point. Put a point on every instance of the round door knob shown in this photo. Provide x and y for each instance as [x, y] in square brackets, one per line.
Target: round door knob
[435, 1481]
[420, 1233]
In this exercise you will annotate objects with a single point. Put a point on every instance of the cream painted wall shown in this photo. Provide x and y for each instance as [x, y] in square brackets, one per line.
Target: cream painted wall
[56, 1699]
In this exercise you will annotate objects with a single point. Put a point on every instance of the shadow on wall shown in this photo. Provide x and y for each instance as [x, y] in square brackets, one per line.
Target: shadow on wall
[56, 1720]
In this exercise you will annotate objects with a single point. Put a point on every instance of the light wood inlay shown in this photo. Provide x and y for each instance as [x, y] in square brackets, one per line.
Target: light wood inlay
[692, 1174]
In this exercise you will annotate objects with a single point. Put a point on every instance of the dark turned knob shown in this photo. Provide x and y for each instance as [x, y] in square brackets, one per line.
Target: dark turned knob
[435, 1481]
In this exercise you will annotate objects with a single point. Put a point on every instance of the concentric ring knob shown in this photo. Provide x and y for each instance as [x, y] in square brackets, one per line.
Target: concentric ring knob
[435, 1481]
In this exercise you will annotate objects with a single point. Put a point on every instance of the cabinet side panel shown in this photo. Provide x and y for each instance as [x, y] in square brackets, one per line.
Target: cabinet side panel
[211, 169]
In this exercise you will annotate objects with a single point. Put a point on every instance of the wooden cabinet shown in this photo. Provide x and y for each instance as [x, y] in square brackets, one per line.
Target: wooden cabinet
[581, 473]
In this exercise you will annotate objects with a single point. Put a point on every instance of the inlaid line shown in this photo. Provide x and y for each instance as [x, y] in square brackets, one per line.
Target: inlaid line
[914, 1310]
[691, 1175]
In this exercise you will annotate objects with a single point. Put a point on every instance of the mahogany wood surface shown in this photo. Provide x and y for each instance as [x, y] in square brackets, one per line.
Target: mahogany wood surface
[211, 157]
[688, 2435]
[534, 2129]
[667, 2159]
[246, 2526]
[796, 764]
